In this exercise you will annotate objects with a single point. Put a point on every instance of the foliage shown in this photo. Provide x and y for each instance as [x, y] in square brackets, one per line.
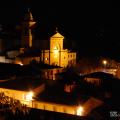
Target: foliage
[15, 106]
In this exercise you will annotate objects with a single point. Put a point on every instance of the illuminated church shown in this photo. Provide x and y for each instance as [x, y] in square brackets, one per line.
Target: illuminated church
[53, 54]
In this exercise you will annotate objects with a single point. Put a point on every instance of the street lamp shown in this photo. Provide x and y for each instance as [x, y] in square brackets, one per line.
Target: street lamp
[29, 96]
[80, 111]
[104, 63]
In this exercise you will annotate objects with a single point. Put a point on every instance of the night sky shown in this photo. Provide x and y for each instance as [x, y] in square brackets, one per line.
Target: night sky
[92, 27]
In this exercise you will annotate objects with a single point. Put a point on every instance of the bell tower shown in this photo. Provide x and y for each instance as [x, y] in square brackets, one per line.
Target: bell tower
[56, 41]
[27, 27]
[56, 46]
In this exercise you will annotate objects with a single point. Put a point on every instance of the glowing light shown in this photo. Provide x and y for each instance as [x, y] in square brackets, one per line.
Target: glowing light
[46, 58]
[55, 50]
[80, 110]
[29, 96]
[20, 63]
[104, 62]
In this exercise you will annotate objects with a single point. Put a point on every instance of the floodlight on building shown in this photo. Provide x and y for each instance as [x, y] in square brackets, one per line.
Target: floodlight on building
[29, 96]
[56, 51]
[80, 111]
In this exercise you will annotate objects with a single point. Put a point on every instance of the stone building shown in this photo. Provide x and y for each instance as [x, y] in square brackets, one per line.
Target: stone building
[53, 54]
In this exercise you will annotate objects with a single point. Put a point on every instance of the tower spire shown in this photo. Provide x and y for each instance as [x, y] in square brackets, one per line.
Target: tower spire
[28, 15]
[27, 25]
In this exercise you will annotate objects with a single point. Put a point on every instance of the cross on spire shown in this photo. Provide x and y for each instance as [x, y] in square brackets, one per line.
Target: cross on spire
[56, 30]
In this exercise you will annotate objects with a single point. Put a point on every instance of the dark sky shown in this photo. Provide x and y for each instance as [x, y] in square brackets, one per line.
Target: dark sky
[92, 26]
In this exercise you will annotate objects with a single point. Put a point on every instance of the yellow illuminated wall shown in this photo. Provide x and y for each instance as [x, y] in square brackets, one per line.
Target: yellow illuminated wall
[56, 46]
[58, 55]
[22, 97]
[16, 94]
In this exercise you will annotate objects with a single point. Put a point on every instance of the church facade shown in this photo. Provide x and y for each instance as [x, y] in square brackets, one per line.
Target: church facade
[54, 54]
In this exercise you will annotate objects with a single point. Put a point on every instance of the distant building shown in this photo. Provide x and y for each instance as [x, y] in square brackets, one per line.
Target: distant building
[25, 92]
[30, 93]
[27, 26]
[53, 54]
[98, 78]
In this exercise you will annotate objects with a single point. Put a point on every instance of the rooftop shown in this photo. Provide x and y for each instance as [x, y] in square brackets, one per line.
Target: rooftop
[46, 66]
[7, 69]
[55, 94]
[99, 75]
[22, 83]
[30, 52]
[57, 35]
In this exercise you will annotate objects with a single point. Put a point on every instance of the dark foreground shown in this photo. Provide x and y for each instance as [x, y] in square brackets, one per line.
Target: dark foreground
[35, 114]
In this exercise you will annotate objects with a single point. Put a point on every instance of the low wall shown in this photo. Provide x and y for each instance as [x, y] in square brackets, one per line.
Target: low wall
[54, 107]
